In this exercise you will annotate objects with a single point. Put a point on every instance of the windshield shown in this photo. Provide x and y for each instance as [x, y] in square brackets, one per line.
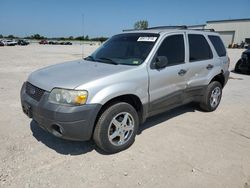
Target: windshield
[126, 49]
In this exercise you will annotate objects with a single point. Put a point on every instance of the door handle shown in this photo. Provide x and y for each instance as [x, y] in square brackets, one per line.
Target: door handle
[209, 67]
[182, 72]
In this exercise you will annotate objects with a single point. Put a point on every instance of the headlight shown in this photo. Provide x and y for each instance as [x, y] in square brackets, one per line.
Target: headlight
[65, 96]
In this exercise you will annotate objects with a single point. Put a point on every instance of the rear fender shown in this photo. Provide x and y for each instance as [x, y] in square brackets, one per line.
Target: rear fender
[216, 70]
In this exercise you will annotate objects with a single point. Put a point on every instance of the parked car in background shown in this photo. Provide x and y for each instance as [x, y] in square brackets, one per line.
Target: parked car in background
[68, 43]
[23, 42]
[43, 42]
[51, 42]
[65, 43]
[54, 42]
[243, 65]
[9, 42]
[1, 43]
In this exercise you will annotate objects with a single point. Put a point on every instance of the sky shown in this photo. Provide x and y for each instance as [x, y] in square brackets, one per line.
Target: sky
[62, 18]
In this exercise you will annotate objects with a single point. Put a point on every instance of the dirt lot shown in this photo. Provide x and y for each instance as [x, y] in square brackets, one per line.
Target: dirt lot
[180, 148]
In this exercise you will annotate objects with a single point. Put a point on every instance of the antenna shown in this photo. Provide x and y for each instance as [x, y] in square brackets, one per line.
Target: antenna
[83, 36]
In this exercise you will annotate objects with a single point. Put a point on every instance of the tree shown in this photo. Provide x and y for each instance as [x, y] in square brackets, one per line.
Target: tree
[36, 36]
[1, 36]
[82, 38]
[142, 24]
[79, 38]
[71, 38]
[101, 39]
[11, 37]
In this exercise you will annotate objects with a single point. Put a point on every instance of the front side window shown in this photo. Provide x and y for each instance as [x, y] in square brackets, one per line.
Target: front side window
[199, 48]
[173, 48]
[125, 49]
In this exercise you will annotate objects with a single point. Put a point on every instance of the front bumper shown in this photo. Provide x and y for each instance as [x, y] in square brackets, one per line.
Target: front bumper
[226, 76]
[68, 122]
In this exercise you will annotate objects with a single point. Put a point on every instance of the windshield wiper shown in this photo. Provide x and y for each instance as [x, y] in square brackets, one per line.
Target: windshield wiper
[107, 60]
[89, 58]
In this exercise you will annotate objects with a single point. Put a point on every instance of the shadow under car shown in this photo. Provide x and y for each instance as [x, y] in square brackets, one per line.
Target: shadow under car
[67, 147]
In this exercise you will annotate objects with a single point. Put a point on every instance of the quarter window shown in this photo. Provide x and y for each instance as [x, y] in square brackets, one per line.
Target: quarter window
[174, 49]
[218, 45]
[199, 48]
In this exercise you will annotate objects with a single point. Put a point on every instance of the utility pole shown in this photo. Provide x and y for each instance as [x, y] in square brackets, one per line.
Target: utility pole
[83, 36]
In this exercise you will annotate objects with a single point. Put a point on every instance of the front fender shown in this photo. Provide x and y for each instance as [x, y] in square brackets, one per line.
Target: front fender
[115, 90]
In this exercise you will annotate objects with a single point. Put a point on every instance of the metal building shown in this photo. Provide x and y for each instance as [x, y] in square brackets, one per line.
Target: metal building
[231, 31]
[201, 26]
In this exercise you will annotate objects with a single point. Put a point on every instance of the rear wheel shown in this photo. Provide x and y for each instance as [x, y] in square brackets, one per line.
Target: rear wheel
[116, 128]
[212, 97]
[237, 66]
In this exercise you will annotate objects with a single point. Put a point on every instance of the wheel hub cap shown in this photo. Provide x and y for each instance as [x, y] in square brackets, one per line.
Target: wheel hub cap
[215, 97]
[121, 128]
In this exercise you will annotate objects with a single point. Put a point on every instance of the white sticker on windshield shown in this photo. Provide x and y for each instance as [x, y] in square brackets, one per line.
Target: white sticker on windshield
[147, 39]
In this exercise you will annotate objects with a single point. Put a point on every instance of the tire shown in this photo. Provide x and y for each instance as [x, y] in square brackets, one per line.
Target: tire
[212, 97]
[237, 66]
[116, 128]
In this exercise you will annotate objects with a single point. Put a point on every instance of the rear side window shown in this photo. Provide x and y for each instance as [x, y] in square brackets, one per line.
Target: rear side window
[199, 48]
[218, 45]
[174, 49]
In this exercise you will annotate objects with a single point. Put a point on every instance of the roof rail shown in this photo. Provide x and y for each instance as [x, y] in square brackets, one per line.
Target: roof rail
[169, 27]
[211, 30]
[159, 27]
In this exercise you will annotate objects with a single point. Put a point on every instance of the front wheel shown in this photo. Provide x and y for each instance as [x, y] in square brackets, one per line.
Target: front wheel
[116, 128]
[212, 97]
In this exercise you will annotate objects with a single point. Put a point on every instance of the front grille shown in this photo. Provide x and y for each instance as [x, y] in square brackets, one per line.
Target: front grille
[34, 92]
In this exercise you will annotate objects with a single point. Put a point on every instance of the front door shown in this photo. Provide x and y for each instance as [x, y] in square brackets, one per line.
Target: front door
[166, 84]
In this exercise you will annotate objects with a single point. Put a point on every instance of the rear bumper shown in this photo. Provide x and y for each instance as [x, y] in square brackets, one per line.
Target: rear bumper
[68, 122]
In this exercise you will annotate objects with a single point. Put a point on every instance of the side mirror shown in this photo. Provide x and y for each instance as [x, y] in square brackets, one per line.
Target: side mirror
[161, 62]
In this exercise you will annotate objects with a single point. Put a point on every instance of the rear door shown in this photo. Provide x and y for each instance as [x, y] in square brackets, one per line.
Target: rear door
[201, 62]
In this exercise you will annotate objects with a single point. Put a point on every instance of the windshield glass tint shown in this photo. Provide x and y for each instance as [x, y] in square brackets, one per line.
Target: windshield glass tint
[127, 49]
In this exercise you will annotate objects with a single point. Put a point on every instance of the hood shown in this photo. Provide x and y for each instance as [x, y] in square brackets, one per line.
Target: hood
[69, 75]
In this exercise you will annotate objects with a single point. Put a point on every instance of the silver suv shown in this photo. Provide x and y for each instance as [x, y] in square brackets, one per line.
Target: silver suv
[132, 76]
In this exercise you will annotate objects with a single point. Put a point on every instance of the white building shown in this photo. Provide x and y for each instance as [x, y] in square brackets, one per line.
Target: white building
[201, 26]
[232, 31]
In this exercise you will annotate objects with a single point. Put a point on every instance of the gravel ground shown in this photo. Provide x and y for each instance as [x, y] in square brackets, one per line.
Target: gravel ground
[180, 148]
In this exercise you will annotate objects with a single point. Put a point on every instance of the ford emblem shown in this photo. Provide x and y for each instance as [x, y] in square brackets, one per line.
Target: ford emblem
[32, 90]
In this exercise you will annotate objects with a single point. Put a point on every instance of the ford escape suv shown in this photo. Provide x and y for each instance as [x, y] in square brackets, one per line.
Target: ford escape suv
[132, 76]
